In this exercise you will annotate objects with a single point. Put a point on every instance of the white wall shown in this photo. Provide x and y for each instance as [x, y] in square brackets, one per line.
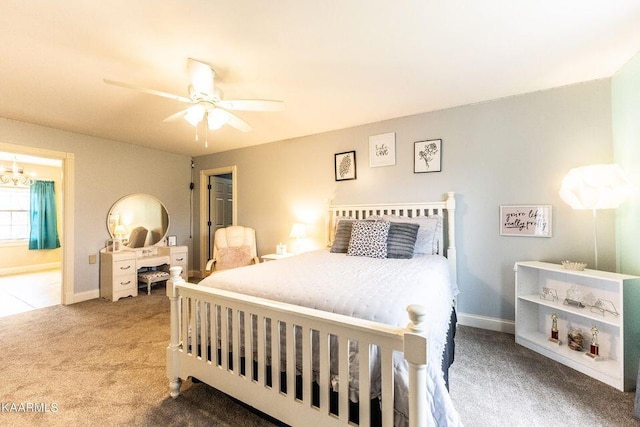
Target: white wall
[509, 151]
[104, 172]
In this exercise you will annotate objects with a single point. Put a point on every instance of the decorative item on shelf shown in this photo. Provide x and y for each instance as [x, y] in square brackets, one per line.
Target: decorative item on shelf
[595, 187]
[574, 265]
[281, 249]
[16, 176]
[574, 297]
[604, 306]
[554, 329]
[594, 347]
[576, 340]
[549, 294]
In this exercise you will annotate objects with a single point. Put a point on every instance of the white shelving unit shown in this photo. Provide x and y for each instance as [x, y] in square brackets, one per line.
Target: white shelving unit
[618, 337]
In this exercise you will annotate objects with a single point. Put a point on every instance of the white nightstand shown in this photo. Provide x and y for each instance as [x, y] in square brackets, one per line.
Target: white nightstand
[275, 257]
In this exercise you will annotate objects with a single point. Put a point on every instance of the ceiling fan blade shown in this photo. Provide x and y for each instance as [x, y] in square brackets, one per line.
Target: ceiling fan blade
[176, 116]
[238, 123]
[149, 91]
[252, 105]
[201, 76]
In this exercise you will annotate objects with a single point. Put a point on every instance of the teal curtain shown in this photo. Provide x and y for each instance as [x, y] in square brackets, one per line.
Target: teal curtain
[44, 223]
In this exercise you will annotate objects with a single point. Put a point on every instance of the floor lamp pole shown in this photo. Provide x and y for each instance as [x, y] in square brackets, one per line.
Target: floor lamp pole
[595, 236]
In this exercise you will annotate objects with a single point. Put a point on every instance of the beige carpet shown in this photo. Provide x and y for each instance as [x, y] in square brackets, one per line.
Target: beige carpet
[102, 364]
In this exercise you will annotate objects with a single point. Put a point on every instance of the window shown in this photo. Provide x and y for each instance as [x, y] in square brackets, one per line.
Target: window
[14, 213]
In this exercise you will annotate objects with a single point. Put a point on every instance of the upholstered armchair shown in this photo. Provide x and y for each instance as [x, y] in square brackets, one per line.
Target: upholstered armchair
[233, 247]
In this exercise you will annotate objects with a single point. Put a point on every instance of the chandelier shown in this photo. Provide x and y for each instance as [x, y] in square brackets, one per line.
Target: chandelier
[15, 175]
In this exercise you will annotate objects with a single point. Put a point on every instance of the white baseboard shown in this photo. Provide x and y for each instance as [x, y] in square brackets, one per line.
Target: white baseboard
[490, 323]
[29, 268]
[83, 296]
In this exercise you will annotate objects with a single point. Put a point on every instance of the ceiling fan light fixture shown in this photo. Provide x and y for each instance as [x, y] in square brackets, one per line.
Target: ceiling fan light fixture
[194, 114]
[217, 118]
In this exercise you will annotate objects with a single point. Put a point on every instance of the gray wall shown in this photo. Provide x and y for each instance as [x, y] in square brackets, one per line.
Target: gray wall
[509, 151]
[625, 101]
[105, 171]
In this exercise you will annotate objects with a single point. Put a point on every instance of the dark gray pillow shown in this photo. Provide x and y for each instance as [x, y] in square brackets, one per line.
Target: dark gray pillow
[343, 235]
[402, 239]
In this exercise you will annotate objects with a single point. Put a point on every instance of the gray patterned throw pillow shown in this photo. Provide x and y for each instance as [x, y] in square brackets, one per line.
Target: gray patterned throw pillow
[369, 239]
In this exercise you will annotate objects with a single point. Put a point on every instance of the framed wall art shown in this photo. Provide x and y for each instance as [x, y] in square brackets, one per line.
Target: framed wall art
[427, 156]
[382, 150]
[172, 240]
[345, 165]
[525, 220]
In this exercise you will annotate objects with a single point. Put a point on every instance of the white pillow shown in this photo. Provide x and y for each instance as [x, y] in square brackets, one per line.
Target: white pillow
[427, 241]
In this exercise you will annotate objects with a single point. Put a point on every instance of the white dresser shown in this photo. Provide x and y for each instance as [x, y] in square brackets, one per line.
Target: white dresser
[119, 270]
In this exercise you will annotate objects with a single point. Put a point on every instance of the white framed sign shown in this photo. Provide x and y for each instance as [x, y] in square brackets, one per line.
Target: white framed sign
[382, 150]
[526, 220]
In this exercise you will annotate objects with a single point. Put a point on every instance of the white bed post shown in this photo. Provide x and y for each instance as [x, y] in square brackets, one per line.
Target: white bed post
[415, 352]
[451, 235]
[174, 344]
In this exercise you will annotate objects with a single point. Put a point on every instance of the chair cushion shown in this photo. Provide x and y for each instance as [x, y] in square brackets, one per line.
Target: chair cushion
[234, 257]
[153, 276]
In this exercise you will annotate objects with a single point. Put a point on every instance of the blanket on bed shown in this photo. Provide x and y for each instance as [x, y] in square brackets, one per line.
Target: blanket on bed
[367, 288]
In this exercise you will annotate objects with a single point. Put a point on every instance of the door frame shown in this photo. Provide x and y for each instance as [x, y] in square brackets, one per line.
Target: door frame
[204, 205]
[67, 237]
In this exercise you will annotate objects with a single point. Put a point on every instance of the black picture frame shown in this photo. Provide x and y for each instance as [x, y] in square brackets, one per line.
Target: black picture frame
[427, 156]
[345, 166]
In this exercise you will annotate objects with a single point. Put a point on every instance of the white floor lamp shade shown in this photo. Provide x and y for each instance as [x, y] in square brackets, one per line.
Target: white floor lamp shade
[595, 187]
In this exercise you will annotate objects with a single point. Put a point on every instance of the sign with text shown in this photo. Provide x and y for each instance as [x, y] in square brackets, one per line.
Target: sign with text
[525, 220]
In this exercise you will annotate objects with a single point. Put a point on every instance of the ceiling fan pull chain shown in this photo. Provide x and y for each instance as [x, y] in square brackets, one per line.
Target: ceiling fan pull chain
[196, 126]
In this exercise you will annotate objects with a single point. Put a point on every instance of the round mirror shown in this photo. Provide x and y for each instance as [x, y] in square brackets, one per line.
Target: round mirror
[139, 220]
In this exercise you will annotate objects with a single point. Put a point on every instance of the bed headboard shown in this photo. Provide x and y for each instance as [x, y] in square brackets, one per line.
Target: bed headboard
[445, 208]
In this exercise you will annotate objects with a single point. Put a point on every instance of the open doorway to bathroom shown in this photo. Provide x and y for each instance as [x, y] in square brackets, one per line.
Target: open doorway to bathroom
[29, 278]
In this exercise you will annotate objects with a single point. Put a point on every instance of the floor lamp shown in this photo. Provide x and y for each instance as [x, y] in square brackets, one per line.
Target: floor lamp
[595, 187]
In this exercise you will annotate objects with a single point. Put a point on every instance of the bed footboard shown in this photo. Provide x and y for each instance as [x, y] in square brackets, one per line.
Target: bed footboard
[214, 333]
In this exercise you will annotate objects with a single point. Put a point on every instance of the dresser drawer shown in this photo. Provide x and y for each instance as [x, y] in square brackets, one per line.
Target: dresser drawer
[179, 258]
[124, 267]
[122, 283]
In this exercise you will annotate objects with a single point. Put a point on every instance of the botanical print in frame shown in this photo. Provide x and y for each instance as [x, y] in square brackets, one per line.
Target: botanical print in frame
[345, 164]
[382, 150]
[427, 156]
[525, 220]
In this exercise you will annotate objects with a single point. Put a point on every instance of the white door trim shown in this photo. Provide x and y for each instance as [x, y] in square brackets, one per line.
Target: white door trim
[204, 204]
[67, 238]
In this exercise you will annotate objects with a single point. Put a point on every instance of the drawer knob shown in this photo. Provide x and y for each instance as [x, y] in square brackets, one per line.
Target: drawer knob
[179, 259]
[125, 268]
[128, 282]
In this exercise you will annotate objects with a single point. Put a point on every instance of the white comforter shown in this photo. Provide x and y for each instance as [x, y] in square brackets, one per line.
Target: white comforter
[367, 288]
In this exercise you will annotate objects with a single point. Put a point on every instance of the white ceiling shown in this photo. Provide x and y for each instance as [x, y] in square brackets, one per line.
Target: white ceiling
[335, 63]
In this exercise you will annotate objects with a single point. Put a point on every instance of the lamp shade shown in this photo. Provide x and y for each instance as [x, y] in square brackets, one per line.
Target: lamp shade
[595, 187]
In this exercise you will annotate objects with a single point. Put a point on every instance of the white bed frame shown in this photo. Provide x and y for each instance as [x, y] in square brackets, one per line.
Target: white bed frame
[188, 355]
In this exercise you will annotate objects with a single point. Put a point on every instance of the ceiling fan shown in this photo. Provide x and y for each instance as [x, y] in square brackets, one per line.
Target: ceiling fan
[207, 101]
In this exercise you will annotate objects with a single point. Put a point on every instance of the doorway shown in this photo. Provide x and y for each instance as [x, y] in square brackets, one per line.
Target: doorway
[65, 189]
[218, 201]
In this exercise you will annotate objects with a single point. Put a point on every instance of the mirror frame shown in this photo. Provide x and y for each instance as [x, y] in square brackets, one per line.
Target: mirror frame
[148, 196]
